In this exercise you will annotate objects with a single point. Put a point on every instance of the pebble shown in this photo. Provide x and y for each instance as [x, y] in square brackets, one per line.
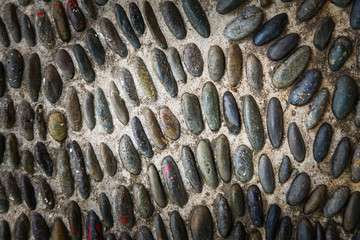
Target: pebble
[47, 193]
[317, 109]
[4, 203]
[4, 37]
[89, 110]
[272, 221]
[61, 22]
[40, 229]
[169, 123]
[32, 76]
[57, 126]
[12, 189]
[156, 186]
[308, 9]
[231, 113]
[78, 170]
[101, 2]
[285, 169]
[304, 230]
[129, 156]
[202, 225]
[341, 3]
[355, 15]
[73, 110]
[44, 30]
[124, 207]
[178, 227]
[191, 172]
[125, 26]
[28, 192]
[153, 25]
[344, 96]
[7, 112]
[26, 120]
[2, 147]
[271, 29]
[96, 49]
[254, 73]
[136, 18]
[227, 6]
[144, 233]
[216, 63]
[210, 103]
[14, 68]
[323, 33]
[244, 25]
[193, 60]
[223, 216]
[40, 122]
[288, 71]
[145, 81]
[304, 89]
[2, 78]
[242, 163]
[239, 231]
[341, 157]
[275, 122]
[255, 205]
[89, 9]
[75, 15]
[319, 231]
[234, 64]
[255, 235]
[118, 104]
[112, 37]
[65, 63]
[27, 161]
[316, 199]
[298, 189]
[336, 202]
[282, 47]
[74, 220]
[93, 226]
[85, 66]
[163, 71]
[128, 86]
[253, 124]
[285, 228]
[205, 161]
[351, 214]
[192, 113]
[266, 174]
[142, 201]
[22, 227]
[108, 159]
[339, 52]
[160, 230]
[103, 112]
[197, 17]
[237, 201]
[173, 19]
[11, 147]
[27, 30]
[222, 157]
[92, 163]
[357, 114]
[153, 129]
[12, 22]
[355, 168]
[59, 230]
[141, 138]
[53, 84]
[296, 142]
[173, 182]
[64, 173]
[105, 209]
[331, 231]
[176, 65]
[43, 158]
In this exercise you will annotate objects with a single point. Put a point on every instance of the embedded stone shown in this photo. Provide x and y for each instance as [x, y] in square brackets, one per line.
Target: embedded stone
[285, 169]
[27, 161]
[156, 187]
[105, 209]
[336, 201]
[85, 66]
[282, 47]
[11, 21]
[197, 17]
[275, 122]
[89, 110]
[125, 26]
[223, 216]
[231, 113]
[271, 29]
[92, 163]
[96, 49]
[57, 126]
[76, 16]
[61, 22]
[272, 221]
[153, 25]
[4, 37]
[141, 138]
[173, 19]
[317, 109]
[242, 163]
[14, 68]
[316, 199]
[285, 228]
[136, 18]
[234, 65]
[103, 112]
[27, 30]
[39, 227]
[254, 73]
[26, 120]
[177, 226]
[93, 226]
[344, 96]
[124, 207]
[216, 63]
[73, 110]
[176, 65]
[128, 86]
[210, 103]
[11, 147]
[40, 122]
[112, 37]
[308, 9]
[298, 189]
[266, 174]
[118, 104]
[355, 167]
[22, 227]
[304, 229]
[44, 30]
[237, 201]
[205, 160]
[142, 200]
[202, 225]
[193, 60]
[191, 172]
[32, 76]
[169, 123]
[227, 6]
[28, 192]
[153, 129]
[160, 230]
[296, 142]
[192, 113]
[65, 63]
[53, 84]
[222, 157]
[43, 158]
[129, 156]
[47, 194]
[74, 219]
[145, 81]
[340, 158]
[64, 173]
[108, 159]
[7, 112]
[339, 52]
[12, 189]
[323, 33]
[255, 205]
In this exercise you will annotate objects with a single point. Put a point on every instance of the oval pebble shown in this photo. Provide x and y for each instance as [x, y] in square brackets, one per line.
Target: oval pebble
[73, 110]
[254, 73]
[40, 229]
[205, 160]
[271, 29]
[153, 25]
[242, 163]
[145, 233]
[32, 76]
[103, 112]
[141, 138]
[75, 16]
[339, 52]
[43, 158]
[61, 22]
[85, 66]
[177, 225]
[216, 63]
[59, 230]
[253, 124]
[74, 219]
[125, 26]
[191, 172]
[129, 156]
[173, 19]
[26, 116]
[355, 168]
[351, 214]
[192, 113]
[22, 227]
[47, 194]
[118, 104]
[93, 226]
[27, 30]
[296, 142]
[27, 161]
[197, 17]
[193, 60]
[285, 228]
[145, 81]
[14, 68]
[136, 18]
[272, 221]
[202, 225]
[231, 113]
[124, 207]
[65, 63]
[128, 86]
[28, 192]
[153, 129]
[108, 159]
[336, 201]
[8, 113]
[344, 96]
[323, 33]
[308, 9]
[282, 47]
[44, 30]
[255, 205]
[92, 163]
[222, 157]
[142, 200]
[176, 65]
[234, 64]
[12, 189]
[12, 22]
[169, 123]
[317, 109]
[223, 216]
[40, 122]
[285, 169]
[298, 189]
[53, 84]
[210, 104]
[237, 201]
[156, 187]
[227, 6]
[341, 157]
[4, 37]
[57, 126]
[315, 200]
[355, 15]
[89, 110]
[304, 230]
[96, 49]
[64, 173]
[12, 150]
[112, 37]
[275, 122]
[266, 174]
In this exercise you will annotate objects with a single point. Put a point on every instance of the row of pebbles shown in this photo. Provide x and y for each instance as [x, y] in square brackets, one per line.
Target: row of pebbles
[72, 164]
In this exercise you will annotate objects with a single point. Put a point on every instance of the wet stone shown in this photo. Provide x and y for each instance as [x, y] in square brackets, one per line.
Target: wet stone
[47, 193]
[75, 15]
[308, 9]
[78, 170]
[285, 169]
[64, 173]
[89, 9]
[216, 63]
[237, 201]
[210, 103]
[105, 209]
[2, 147]
[173, 19]
[205, 160]
[28, 192]
[197, 17]
[355, 15]
[141, 138]
[156, 187]
[27, 30]
[176, 65]
[351, 214]
[12, 189]
[12, 150]
[44, 30]
[61, 22]
[65, 63]
[59, 230]
[177, 225]
[89, 110]
[57, 126]
[193, 60]
[192, 113]
[74, 219]
[341, 3]
[282, 47]
[234, 64]
[244, 25]
[355, 167]
[43, 158]
[253, 123]
[231, 113]
[4, 37]
[285, 229]
[339, 52]
[112, 37]
[128, 86]
[40, 229]
[129, 156]
[153, 129]
[53, 84]
[118, 104]
[255, 205]
[96, 49]
[222, 157]
[173, 182]
[316, 199]
[223, 216]
[271, 29]
[275, 122]
[254, 73]
[26, 120]
[169, 123]
[336, 201]
[85, 66]
[239, 231]
[145, 81]
[340, 158]
[272, 221]
[14, 68]
[27, 161]
[288, 71]
[22, 227]
[7, 112]
[344, 96]
[227, 6]
[323, 33]
[73, 110]
[191, 172]
[136, 18]
[108, 159]
[304, 230]
[103, 112]
[92, 163]
[142, 200]
[125, 26]
[163, 71]
[317, 109]
[2, 78]
[12, 22]
[144, 233]
[296, 142]
[93, 226]
[266, 174]
[32, 76]
[124, 207]
[298, 189]
[202, 225]
[160, 230]
[242, 163]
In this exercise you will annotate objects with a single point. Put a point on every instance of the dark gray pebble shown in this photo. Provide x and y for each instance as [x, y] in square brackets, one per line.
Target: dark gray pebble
[129, 156]
[341, 157]
[75, 15]
[65, 63]
[32, 76]
[323, 33]
[271, 29]
[27, 30]
[112, 37]
[282, 47]
[255, 205]
[40, 229]
[336, 201]
[141, 138]
[96, 49]
[14, 68]
[296, 142]
[193, 60]
[53, 84]
[43, 158]
[275, 122]
[344, 96]
[272, 221]
[85, 66]
[308, 9]
[266, 174]
[177, 226]
[28, 192]
[44, 30]
[197, 17]
[298, 189]
[136, 18]
[103, 112]
[173, 19]
[125, 26]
